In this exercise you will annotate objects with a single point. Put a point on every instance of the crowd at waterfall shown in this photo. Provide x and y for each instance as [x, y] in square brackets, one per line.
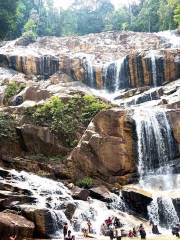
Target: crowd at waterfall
[114, 229]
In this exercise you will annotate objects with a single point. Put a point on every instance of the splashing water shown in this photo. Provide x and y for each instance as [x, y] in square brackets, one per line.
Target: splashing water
[156, 149]
[155, 140]
[154, 72]
[119, 66]
[172, 38]
[153, 211]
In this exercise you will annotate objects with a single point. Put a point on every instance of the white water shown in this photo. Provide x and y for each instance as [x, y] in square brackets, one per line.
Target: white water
[88, 61]
[171, 37]
[155, 151]
[153, 211]
[154, 72]
[52, 195]
[118, 64]
[155, 140]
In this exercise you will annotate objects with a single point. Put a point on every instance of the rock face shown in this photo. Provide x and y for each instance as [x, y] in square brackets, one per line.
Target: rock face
[114, 60]
[44, 222]
[40, 140]
[107, 147]
[101, 193]
[14, 224]
[137, 200]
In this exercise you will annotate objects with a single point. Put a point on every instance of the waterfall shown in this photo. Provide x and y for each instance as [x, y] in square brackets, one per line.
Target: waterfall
[90, 73]
[156, 148]
[171, 37]
[153, 211]
[119, 65]
[87, 60]
[115, 75]
[162, 207]
[154, 72]
[168, 211]
[51, 198]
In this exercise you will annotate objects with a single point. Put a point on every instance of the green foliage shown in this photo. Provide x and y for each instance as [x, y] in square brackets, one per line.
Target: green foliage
[92, 106]
[41, 18]
[13, 88]
[64, 119]
[85, 182]
[48, 159]
[7, 128]
[177, 14]
[7, 17]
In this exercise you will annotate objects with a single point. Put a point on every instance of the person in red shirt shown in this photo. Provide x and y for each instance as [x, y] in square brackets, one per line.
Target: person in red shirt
[130, 234]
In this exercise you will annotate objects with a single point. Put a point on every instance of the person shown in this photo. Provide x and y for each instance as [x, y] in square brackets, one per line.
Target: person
[175, 230]
[134, 232]
[104, 229]
[142, 232]
[70, 236]
[151, 222]
[118, 234]
[109, 222]
[65, 230]
[111, 233]
[84, 229]
[89, 226]
[130, 234]
[117, 223]
[155, 229]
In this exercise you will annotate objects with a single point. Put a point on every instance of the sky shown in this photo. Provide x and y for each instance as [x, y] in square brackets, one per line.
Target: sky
[67, 3]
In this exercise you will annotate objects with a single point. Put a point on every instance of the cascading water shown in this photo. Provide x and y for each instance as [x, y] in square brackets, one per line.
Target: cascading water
[52, 196]
[154, 72]
[155, 140]
[156, 149]
[115, 75]
[119, 66]
[172, 38]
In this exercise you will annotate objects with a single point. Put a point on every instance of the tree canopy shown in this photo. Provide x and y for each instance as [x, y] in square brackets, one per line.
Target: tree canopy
[40, 17]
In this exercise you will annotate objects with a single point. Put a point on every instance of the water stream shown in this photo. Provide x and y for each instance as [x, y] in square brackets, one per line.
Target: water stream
[156, 150]
[53, 196]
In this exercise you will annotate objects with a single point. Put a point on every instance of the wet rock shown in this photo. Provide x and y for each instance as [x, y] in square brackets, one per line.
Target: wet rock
[101, 193]
[80, 194]
[137, 200]
[15, 224]
[70, 210]
[47, 222]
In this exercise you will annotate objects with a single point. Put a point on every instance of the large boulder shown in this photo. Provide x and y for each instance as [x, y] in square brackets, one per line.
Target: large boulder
[47, 222]
[101, 193]
[15, 224]
[36, 139]
[80, 194]
[107, 148]
[137, 200]
[174, 116]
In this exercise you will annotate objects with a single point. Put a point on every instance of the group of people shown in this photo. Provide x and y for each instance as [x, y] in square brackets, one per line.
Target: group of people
[111, 227]
[67, 233]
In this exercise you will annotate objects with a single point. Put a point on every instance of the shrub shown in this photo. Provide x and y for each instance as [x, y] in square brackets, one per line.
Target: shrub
[7, 128]
[13, 88]
[64, 119]
[86, 182]
[92, 106]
